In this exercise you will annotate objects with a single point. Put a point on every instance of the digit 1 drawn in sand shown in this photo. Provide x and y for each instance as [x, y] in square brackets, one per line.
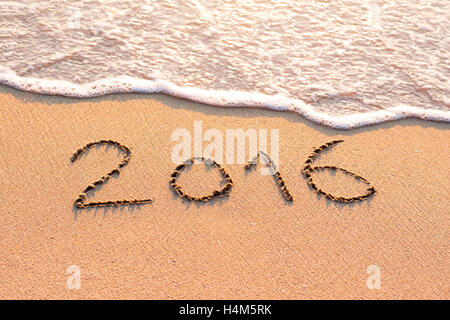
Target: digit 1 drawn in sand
[226, 189]
[277, 176]
[308, 170]
[80, 201]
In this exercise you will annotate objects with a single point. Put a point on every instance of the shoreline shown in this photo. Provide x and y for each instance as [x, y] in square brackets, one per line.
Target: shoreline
[249, 245]
[222, 98]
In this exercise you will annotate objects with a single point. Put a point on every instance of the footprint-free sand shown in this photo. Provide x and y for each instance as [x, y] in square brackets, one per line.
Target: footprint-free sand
[250, 245]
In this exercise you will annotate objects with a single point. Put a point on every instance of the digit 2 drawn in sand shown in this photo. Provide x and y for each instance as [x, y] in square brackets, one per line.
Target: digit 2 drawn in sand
[80, 201]
[308, 170]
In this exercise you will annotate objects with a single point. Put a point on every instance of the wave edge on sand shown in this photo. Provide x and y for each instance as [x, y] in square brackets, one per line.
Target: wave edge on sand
[221, 98]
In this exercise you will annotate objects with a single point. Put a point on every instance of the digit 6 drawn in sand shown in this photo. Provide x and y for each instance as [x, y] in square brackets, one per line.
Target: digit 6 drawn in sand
[308, 170]
[80, 201]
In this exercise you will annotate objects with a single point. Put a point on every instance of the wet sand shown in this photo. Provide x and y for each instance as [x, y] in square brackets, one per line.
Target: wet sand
[252, 244]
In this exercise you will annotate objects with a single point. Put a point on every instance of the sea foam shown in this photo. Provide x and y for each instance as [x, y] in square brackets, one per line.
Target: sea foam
[343, 64]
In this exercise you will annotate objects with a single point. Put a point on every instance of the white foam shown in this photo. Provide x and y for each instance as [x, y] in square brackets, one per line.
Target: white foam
[218, 98]
[340, 63]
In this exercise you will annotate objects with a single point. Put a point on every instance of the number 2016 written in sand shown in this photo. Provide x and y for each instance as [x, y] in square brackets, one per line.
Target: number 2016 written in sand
[308, 170]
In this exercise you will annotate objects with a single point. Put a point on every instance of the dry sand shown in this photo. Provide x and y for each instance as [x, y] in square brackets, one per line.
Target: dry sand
[252, 245]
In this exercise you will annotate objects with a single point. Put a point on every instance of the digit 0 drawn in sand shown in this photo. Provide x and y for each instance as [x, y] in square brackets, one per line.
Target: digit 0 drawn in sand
[226, 189]
[308, 170]
[277, 176]
[80, 201]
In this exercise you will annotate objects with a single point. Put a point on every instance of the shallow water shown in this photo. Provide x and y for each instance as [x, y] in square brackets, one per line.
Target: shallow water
[342, 64]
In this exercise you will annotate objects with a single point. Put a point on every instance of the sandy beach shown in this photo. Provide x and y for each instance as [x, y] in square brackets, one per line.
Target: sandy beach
[251, 245]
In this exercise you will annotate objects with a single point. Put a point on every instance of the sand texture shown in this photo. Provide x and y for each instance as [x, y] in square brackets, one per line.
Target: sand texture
[252, 244]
